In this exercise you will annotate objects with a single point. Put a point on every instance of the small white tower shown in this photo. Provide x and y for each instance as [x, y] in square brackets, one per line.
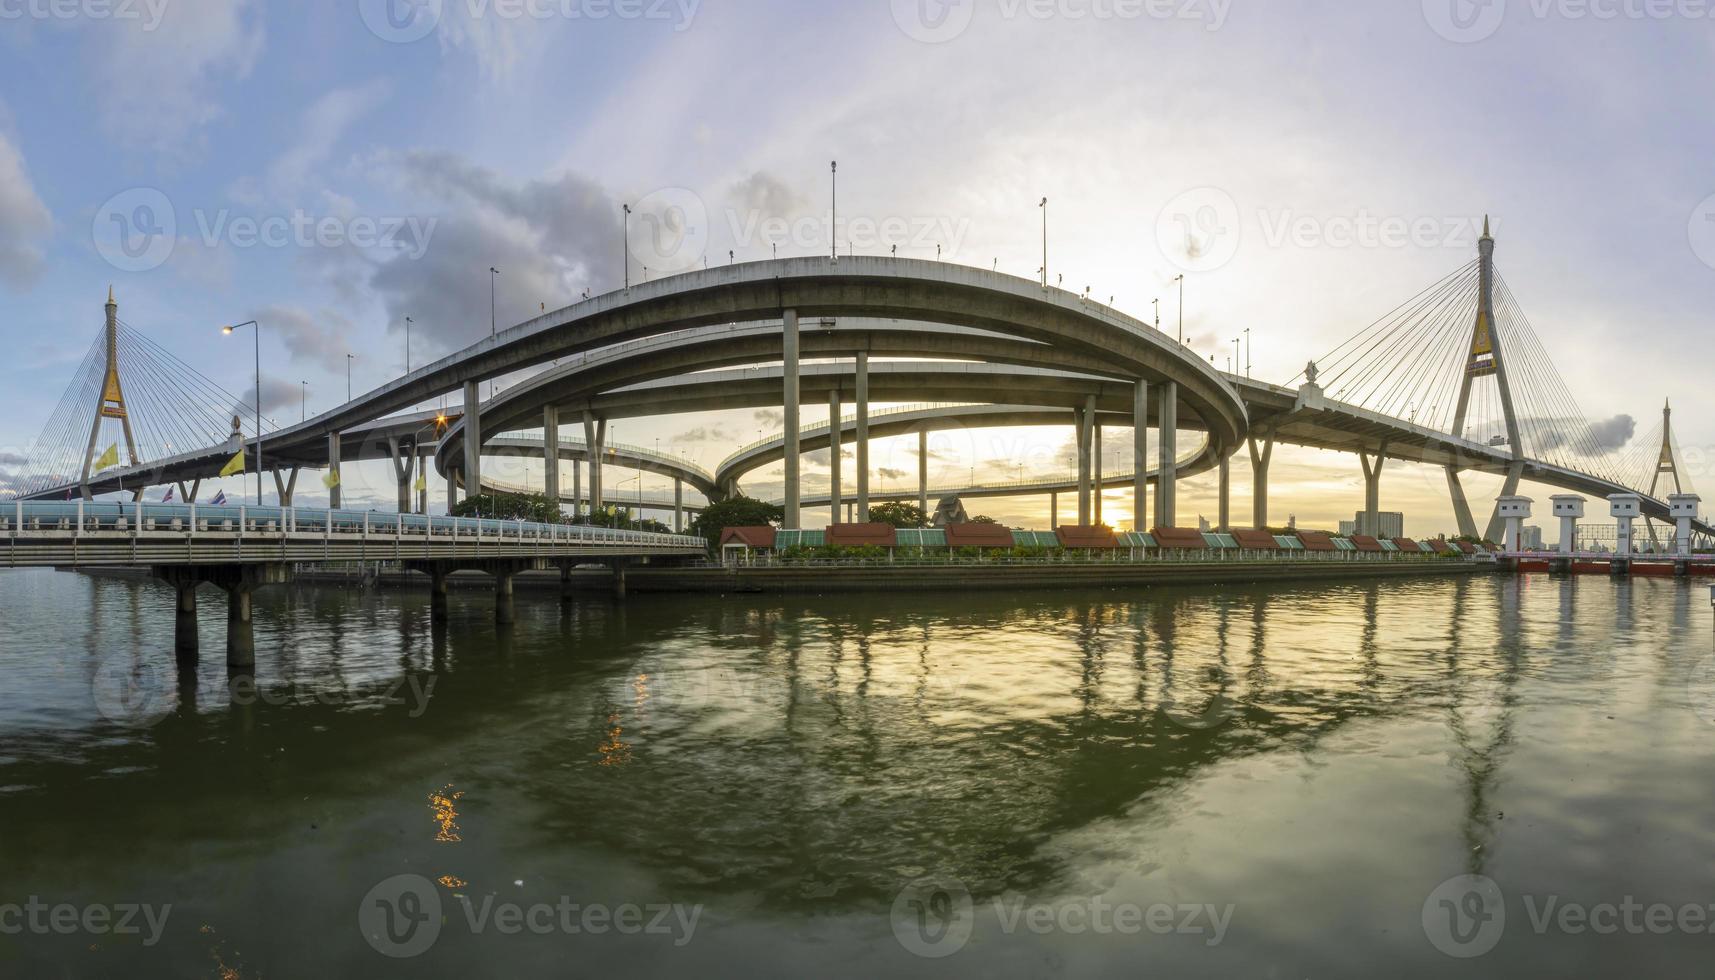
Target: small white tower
[1569, 507]
[1513, 510]
[1682, 507]
[1625, 508]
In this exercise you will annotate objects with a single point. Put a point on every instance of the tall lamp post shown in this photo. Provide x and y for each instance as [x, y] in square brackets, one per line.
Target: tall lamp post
[303, 401]
[407, 345]
[256, 333]
[1180, 279]
[493, 329]
[1044, 207]
[348, 359]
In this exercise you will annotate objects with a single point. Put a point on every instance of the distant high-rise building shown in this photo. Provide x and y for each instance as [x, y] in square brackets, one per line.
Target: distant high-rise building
[1392, 524]
[1530, 538]
[1348, 528]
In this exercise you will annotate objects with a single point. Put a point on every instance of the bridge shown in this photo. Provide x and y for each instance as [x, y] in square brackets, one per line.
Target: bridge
[1454, 378]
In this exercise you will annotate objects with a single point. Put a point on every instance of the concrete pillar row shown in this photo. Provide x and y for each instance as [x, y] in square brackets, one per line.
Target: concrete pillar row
[1140, 456]
[1085, 419]
[923, 471]
[472, 440]
[1167, 490]
[792, 519]
[863, 436]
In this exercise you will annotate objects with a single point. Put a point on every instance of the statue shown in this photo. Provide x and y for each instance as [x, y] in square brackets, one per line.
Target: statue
[1310, 372]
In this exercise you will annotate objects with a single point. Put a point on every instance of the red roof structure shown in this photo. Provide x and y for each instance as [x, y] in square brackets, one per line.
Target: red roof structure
[1364, 542]
[1407, 545]
[862, 535]
[760, 538]
[978, 536]
[1179, 539]
[1466, 546]
[1256, 540]
[1088, 538]
[1441, 546]
[1316, 541]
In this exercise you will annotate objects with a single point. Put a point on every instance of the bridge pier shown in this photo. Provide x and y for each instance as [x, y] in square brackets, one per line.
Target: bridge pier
[472, 470]
[619, 580]
[834, 434]
[1167, 491]
[1260, 460]
[551, 453]
[505, 613]
[1096, 472]
[1085, 419]
[1054, 511]
[1140, 456]
[678, 504]
[595, 437]
[861, 436]
[333, 470]
[438, 573]
[790, 517]
[923, 471]
[1225, 482]
[240, 582]
[286, 489]
[578, 487]
[403, 454]
[1372, 489]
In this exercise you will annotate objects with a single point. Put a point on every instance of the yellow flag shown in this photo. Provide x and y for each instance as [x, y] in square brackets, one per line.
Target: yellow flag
[331, 480]
[422, 483]
[109, 458]
[233, 465]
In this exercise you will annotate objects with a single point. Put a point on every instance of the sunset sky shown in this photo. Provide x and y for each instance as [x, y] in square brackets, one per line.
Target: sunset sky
[510, 135]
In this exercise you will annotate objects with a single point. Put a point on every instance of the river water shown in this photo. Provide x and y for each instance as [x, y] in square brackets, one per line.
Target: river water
[1476, 777]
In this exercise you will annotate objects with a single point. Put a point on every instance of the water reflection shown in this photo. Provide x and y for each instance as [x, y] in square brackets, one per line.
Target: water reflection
[800, 759]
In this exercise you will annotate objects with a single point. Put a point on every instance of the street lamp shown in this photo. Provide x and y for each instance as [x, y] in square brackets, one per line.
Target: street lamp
[348, 359]
[256, 333]
[492, 329]
[1044, 207]
[303, 401]
[625, 249]
[1180, 279]
[407, 345]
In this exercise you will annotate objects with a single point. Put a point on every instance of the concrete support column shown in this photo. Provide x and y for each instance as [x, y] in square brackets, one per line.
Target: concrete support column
[1372, 490]
[551, 453]
[240, 630]
[1167, 490]
[923, 470]
[504, 613]
[1140, 456]
[834, 448]
[1054, 512]
[472, 440]
[792, 519]
[1086, 435]
[678, 504]
[1096, 481]
[619, 580]
[577, 488]
[404, 457]
[595, 437]
[333, 468]
[863, 436]
[567, 589]
[186, 642]
[1226, 493]
[1260, 459]
[438, 594]
[452, 490]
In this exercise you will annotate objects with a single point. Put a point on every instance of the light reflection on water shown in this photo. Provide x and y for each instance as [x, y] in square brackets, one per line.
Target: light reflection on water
[1320, 758]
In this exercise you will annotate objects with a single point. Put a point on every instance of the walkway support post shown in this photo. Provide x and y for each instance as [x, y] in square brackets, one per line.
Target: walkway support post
[863, 436]
[1167, 488]
[438, 593]
[791, 519]
[1140, 456]
[551, 453]
[1260, 460]
[834, 449]
[1569, 507]
[186, 642]
[240, 628]
[472, 441]
[333, 470]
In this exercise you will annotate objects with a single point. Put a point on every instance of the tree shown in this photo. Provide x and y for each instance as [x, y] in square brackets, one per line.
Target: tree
[983, 519]
[511, 507]
[898, 514]
[739, 511]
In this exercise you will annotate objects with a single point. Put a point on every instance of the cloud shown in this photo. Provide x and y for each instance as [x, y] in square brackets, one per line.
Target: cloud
[277, 395]
[763, 192]
[549, 239]
[324, 122]
[702, 434]
[24, 222]
[158, 89]
[1614, 433]
[770, 417]
[316, 338]
[13, 459]
[888, 473]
